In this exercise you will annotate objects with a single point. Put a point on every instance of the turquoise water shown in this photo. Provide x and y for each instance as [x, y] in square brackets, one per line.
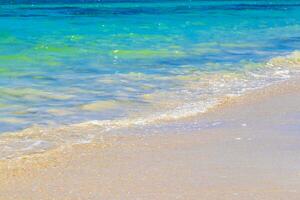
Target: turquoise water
[68, 62]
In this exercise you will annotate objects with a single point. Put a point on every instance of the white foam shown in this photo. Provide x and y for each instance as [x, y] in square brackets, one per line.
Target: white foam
[197, 96]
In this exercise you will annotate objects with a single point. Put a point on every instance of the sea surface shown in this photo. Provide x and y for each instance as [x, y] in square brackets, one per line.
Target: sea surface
[119, 63]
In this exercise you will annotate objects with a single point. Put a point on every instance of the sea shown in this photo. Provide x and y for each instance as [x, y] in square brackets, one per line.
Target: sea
[115, 64]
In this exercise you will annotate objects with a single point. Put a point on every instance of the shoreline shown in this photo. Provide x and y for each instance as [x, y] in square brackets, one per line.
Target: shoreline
[246, 156]
[37, 139]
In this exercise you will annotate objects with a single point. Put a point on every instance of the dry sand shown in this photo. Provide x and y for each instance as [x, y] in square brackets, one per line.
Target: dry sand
[253, 153]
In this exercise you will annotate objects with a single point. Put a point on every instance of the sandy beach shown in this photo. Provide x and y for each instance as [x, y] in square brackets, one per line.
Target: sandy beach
[149, 99]
[250, 152]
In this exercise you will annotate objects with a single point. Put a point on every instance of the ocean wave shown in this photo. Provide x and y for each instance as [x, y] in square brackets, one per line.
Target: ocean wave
[200, 93]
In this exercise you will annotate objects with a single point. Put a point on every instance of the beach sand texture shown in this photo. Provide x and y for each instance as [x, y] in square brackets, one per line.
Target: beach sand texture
[253, 153]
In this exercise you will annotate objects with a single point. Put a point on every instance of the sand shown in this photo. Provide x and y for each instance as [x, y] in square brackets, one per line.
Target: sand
[250, 150]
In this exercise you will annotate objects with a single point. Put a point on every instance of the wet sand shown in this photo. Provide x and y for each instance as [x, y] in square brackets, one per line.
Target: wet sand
[251, 151]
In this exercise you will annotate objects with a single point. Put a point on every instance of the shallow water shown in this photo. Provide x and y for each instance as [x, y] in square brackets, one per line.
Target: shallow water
[137, 62]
